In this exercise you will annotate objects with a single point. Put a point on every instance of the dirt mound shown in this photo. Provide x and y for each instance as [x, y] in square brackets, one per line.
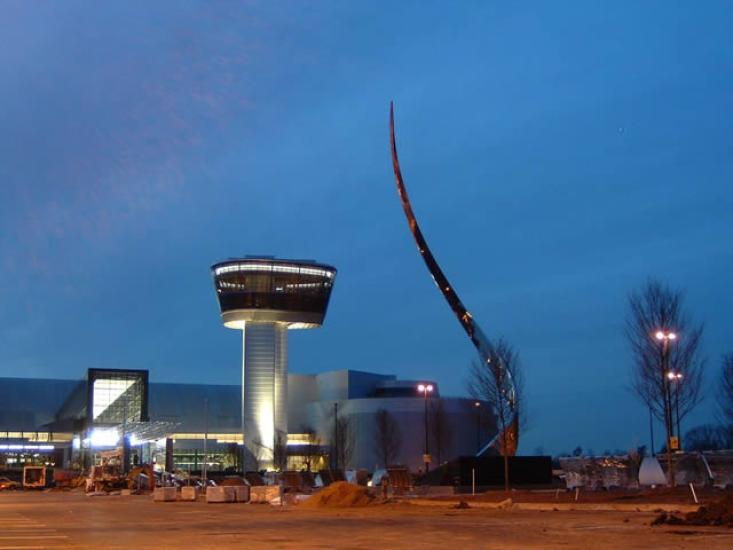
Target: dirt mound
[339, 495]
[719, 512]
[232, 482]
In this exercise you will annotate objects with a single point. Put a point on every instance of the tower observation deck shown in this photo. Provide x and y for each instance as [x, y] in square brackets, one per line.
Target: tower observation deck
[264, 297]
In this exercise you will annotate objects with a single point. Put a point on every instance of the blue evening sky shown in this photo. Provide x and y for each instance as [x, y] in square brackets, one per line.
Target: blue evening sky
[557, 155]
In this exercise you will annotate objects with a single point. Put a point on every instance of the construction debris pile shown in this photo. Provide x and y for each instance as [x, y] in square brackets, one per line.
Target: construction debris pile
[327, 488]
[719, 512]
[340, 494]
[108, 475]
[68, 479]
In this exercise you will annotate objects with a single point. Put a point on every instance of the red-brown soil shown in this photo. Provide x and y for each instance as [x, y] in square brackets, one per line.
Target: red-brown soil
[717, 512]
[678, 495]
[339, 495]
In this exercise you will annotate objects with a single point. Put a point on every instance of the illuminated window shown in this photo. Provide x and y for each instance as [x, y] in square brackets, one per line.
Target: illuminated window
[118, 396]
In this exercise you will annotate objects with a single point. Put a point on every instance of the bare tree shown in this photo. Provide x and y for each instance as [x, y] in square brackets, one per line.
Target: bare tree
[343, 440]
[280, 451]
[499, 382]
[387, 437]
[235, 455]
[725, 396]
[657, 308]
[439, 429]
[706, 438]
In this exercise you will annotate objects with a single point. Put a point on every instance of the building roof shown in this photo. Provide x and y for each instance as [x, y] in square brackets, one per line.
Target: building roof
[27, 404]
[33, 404]
[272, 261]
[186, 403]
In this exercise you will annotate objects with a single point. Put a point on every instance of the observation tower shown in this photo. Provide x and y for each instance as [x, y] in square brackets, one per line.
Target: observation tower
[264, 297]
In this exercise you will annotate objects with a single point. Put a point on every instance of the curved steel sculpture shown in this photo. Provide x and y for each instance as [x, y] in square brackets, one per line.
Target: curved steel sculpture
[478, 339]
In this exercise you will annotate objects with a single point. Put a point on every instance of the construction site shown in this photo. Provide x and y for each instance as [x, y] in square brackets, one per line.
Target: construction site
[572, 502]
[366, 275]
[337, 459]
[348, 515]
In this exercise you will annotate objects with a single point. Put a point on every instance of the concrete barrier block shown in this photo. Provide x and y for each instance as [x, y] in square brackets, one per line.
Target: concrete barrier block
[165, 494]
[231, 493]
[241, 493]
[219, 494]
[263, 493]
[190, 494]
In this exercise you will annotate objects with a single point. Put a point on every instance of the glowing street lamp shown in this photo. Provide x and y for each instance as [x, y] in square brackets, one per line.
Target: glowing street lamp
[425, 389]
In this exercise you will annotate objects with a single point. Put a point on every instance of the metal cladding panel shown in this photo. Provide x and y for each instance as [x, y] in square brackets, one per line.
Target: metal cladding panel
[27, 404]
[265, 387]
[281, 379]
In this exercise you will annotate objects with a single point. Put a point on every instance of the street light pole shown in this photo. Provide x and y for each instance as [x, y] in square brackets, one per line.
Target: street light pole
[477, 406]
[425, 389]
[677, 377]
[335, 436]
[667, 393]
[664, 337]
[677, 406]
[651, 429]
[206, 441]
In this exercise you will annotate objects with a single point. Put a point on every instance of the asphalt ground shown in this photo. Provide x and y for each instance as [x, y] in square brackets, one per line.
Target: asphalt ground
[55, 520]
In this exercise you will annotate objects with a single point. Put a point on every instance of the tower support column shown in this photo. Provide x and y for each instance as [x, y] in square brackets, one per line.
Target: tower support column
[264, 390]
[264, 297]
[243, 453]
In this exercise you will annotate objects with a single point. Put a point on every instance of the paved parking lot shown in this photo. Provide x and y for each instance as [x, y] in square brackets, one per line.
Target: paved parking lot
[72, 520]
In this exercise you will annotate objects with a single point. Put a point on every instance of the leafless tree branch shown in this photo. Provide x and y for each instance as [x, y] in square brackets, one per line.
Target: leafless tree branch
[500, 382]
[657, 307]
[388, 438]
[725, 395]
[439, 428]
